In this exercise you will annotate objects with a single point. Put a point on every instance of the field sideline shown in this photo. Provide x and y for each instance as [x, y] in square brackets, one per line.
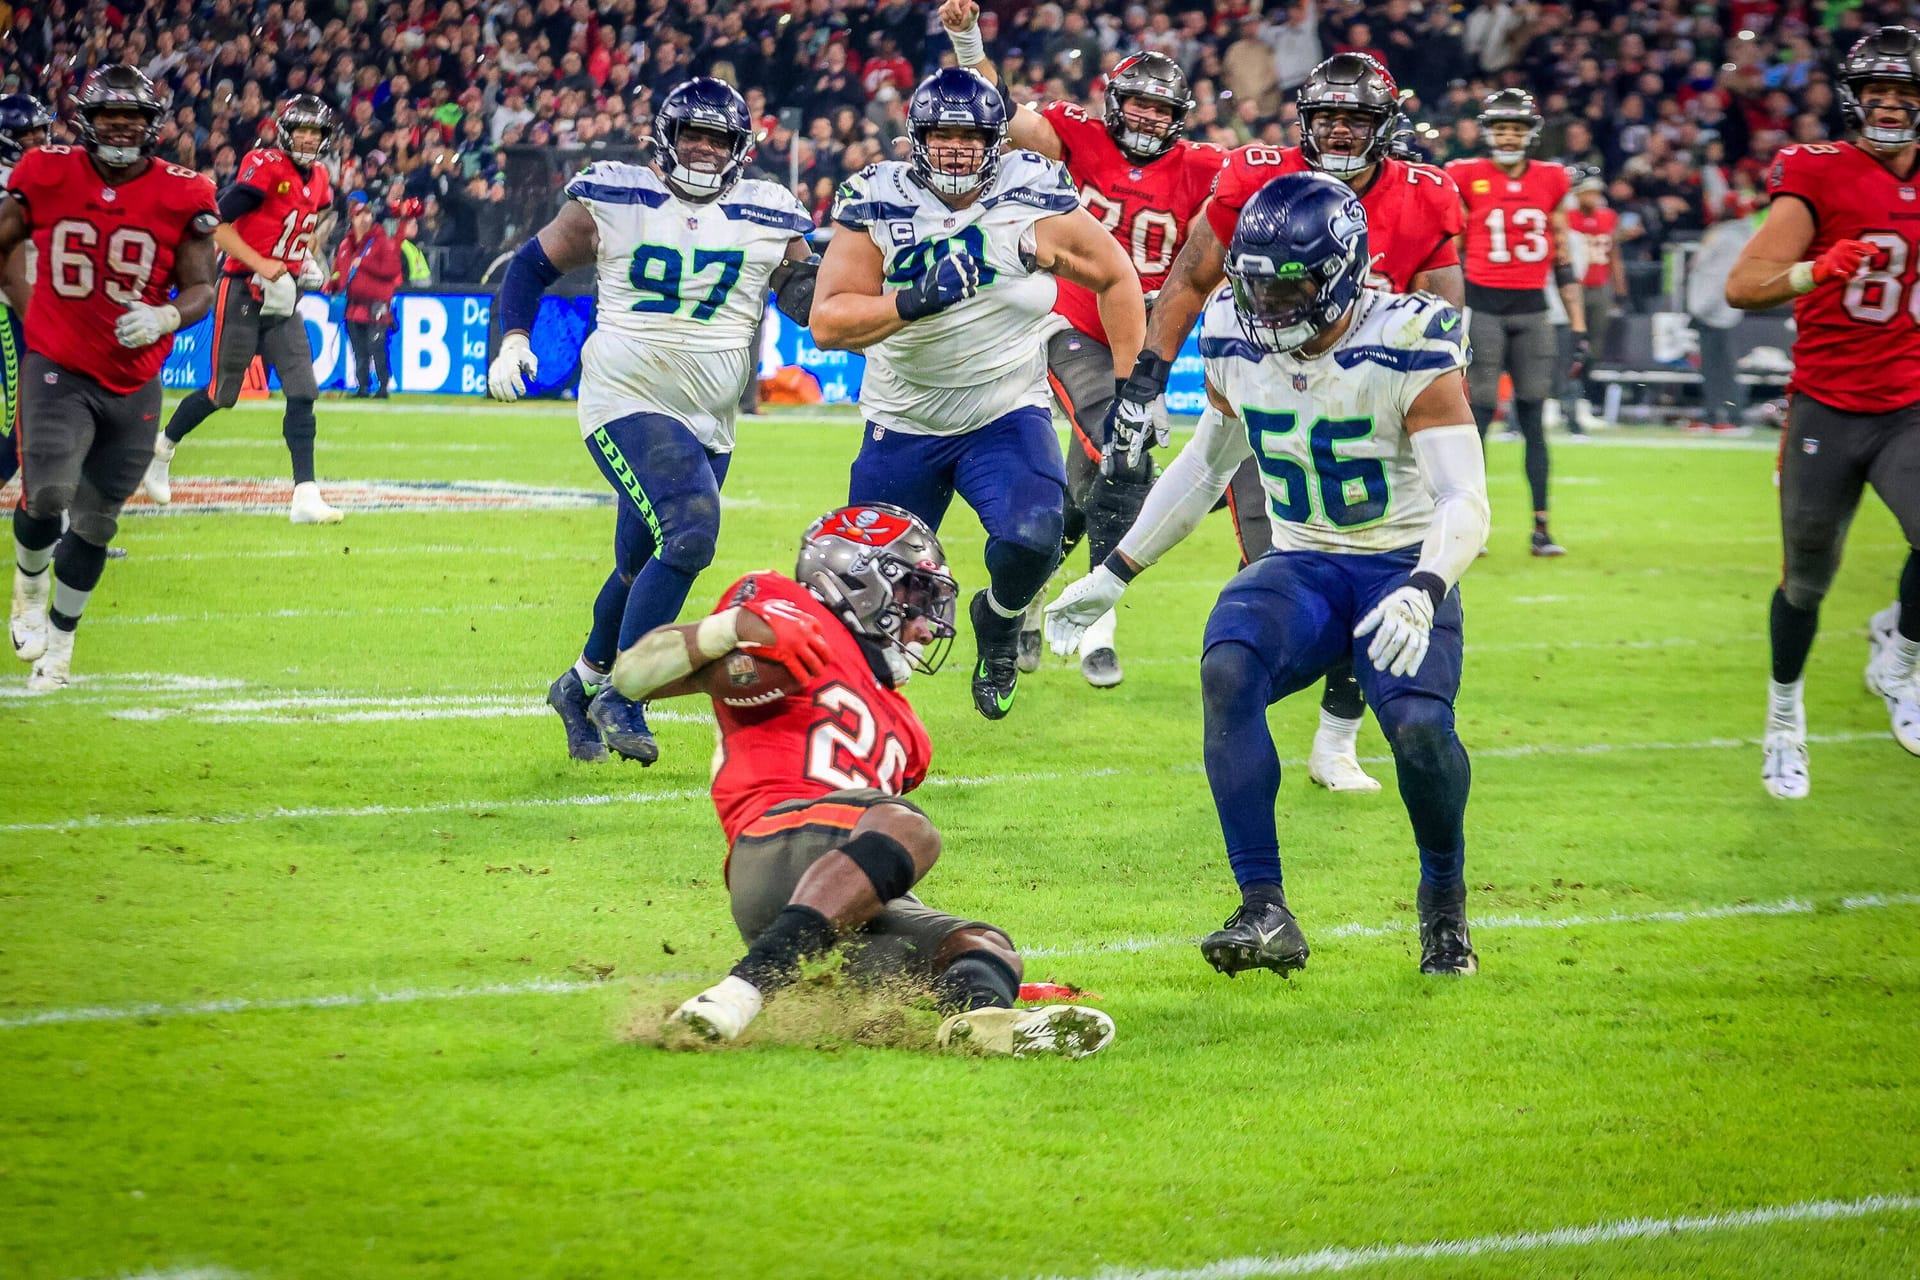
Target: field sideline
[318, 958]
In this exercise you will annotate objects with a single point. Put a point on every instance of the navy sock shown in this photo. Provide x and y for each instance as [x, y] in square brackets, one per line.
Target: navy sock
[1910, 597]
[655, 599]
[609, 607]
[1018, 573]
[1434, 780]
[1243, 769]
[195, 409]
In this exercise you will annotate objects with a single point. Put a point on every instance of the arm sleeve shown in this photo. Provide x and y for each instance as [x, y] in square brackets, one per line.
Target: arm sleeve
[1455, 470]
[239, 200]
[1188, 488]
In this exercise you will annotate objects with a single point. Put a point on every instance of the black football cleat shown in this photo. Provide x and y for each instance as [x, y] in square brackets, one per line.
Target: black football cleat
[1445, 945]
[996, 672]
[1260, 935]
[568, 696]
[1544, 546]
[624, 722]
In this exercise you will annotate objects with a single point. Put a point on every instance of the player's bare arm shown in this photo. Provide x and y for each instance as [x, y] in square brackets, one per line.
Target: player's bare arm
[1076, 247]
[1445, 282]
[852, 309]
[195, 269]
[234, 245]
[1198, 270]
[664, 662]
[569, 242]
[1772, 271]
[1026, 129]
[1572, 296]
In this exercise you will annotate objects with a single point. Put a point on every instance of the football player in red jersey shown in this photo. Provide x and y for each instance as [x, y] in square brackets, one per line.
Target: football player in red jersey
[809, 783]
[1516, 238]
[272, 215]
[1841, 242]
[1348, 107]
[1145, 182]
[125, 258]
[1603, 283]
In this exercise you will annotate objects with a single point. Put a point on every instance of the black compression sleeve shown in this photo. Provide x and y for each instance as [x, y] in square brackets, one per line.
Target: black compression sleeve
[238, 200]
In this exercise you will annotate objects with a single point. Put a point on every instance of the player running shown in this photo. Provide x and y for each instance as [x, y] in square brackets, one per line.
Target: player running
[115, 233]
[822, 848]
[272, 214]
[687, 251]
[1145, 183]
[1348, 109]
[1832, 245]
[1516, 236]
[24, 123]
[949, 288]
[1349, 398]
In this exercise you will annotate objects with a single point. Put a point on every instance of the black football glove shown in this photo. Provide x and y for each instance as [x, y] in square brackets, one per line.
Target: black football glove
[1130, 424]
[953, 279]
[1577, 365]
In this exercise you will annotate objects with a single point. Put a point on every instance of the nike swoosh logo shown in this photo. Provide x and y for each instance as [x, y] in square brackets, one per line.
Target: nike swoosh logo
[1448, 323]
[1003, 702]
[1266, 935]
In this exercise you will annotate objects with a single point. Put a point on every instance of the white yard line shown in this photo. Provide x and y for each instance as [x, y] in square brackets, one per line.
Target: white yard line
[1326, 1261]
[561, 986]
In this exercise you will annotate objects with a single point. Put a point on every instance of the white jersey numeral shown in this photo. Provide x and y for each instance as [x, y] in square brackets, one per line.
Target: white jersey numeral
[1873, 297]
[127, 263]
[1530, 229]
[1152, 237]
[296, 233]
[845, 750]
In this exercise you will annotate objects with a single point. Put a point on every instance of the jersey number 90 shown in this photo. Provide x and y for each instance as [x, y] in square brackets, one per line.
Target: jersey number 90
[914, 261]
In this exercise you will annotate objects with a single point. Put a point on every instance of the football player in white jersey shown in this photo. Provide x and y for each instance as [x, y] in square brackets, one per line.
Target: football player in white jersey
[1351, 400]
[687, 252]
[24, 122]
[943, 274]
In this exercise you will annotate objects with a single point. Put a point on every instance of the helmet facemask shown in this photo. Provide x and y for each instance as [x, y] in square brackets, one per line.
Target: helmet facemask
[1367, 140]
[1874, 97]
[703, 172]
[948, 165]
[1278, 304]
[138, 128]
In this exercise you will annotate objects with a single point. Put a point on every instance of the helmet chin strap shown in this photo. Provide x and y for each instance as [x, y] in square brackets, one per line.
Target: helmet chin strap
[1509, 157]
[696, 183]
[954, 184]
[1341, 166]
[118, 157]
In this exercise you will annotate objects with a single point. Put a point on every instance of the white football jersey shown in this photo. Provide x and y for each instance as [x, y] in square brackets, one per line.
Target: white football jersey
[1329, 432]
[682, 287]
[987, 356]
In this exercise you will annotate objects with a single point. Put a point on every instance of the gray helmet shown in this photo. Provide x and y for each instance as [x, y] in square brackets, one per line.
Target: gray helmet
[878, 567]
[1157, 78]
[1889, 55]
[1511, 106]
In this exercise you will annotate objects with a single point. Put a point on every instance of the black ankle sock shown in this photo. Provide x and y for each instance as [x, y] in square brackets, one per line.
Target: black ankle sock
[774, 959]
[977, 980]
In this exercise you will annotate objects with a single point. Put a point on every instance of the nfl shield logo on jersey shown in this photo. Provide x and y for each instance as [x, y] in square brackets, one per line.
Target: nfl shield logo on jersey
[1299, 382]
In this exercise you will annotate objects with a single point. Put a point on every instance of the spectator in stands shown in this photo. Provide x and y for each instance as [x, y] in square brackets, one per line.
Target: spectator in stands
[367, 269]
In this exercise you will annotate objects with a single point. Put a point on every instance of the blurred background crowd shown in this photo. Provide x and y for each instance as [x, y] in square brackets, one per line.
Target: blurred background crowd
[468, 114]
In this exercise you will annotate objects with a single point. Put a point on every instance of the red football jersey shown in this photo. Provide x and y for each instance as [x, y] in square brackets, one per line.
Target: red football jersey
[1857, 345]
[1510, 221]
[282, 226]
[101, 248]
[1596, 232]
[1147, 207]
[846, 729]
[1413, 210]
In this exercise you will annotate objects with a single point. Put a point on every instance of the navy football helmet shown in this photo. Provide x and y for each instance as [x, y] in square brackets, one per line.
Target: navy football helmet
[956, 97]
[703, 103]
[24, 122]
[1298, 259]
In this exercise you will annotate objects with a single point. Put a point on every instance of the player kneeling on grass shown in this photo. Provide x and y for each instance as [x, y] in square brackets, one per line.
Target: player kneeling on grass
[817, 744]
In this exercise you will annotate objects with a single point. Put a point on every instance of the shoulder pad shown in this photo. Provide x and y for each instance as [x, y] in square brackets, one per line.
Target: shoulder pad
[612, 182]
[769, 204]
[874, 194]
[1221, 337]
[1029, 178]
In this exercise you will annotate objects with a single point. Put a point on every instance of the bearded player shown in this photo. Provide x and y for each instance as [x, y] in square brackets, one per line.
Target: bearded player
[1144, 182]
[687, 250]
[24, 122]
[1348, 109]
[1516, 238]
[1832, 244]
[944, 274]
[272, 212]
[116, 234]
[810, 774]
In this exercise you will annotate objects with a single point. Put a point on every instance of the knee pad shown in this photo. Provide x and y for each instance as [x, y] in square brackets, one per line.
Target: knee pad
[688, 552]
[885, 861]
[1039, 529]
[80, 561]
[1803, 594]
[224, 395]
[299, 422]
[47, 502]
[96, 524]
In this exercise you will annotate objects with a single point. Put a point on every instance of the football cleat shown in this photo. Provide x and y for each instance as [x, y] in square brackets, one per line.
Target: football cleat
[310, 508]
[50, 672]
[1783, 764]
[568, 697]
[1445, 945]
[722, 1011]
[1901, 692]
[1030, 638]
[1099, 664]
[1056, 1030]
[1333, 764]
[158, 483]
[27, 620]
[1260, 935]
[1544, 546]
[624, 722]
[996, 672]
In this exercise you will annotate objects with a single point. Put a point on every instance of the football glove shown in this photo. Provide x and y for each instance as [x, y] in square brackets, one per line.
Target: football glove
[1842, 260]
[278, 296]
[1131, 427]
[798, 644]
[142, 325]
[951, 280]
[1081, 605]
[1577, 362]
[1400, 625]
[508, 374]
[312, 275]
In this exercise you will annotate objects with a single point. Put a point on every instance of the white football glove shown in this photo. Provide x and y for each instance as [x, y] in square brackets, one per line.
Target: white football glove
[507, 375]
[278, 296]
[1401, 626]
[312, 275]
[1081, 605]
[142, 325]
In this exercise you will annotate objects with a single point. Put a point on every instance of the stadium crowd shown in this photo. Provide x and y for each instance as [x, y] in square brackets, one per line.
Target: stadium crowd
[461, 119]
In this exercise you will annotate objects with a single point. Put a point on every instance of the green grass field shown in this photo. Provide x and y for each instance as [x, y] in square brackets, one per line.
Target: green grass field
[318, 958]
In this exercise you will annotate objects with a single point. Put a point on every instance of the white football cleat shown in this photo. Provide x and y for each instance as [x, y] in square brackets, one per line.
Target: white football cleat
[50, 672]
[1032, 646]
[27, 620]
[1783, 764]
[310, 508]
[1099, 664]
[1062, 1030]
[158, 482]
[1333, 762]
[1902, 696]
[1880, 628]
[722, 1011]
